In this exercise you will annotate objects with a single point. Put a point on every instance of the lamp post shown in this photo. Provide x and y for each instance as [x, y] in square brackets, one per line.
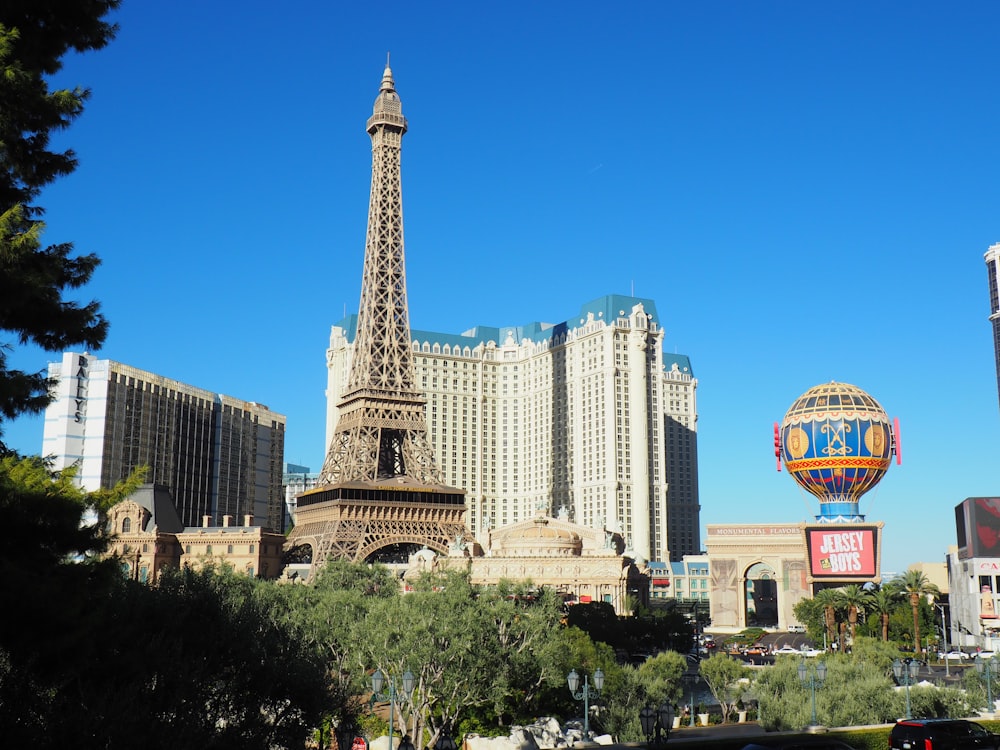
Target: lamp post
[906, 669]
[659, 720]
[813, 678]
[692, 683]
[378, 681]
[986, 669]
[944, 639]
[573, 680]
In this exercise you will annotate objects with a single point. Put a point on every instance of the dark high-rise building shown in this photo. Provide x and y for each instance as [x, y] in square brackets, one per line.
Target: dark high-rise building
[218, 456]
[993, 267]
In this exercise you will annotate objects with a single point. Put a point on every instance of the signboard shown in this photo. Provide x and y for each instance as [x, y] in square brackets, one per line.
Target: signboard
[982, 532]
[843, 551]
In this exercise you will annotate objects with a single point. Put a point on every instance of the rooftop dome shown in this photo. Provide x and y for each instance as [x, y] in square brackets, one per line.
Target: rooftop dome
[539, 539]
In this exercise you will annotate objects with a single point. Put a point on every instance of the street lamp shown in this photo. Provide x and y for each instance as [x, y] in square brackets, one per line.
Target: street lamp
[906, 669]
[378, 681]
[986, 668]
[813, 678]
[944, 638]
[657, 719]
[692, 683]
[573, 680]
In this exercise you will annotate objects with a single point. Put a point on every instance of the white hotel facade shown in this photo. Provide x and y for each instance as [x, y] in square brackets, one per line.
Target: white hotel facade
[587, 417]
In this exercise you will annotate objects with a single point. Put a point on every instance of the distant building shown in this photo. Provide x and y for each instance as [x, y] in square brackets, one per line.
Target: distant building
[149, 539]
[582, 564]
[992, 258]
[974, 574]
[295, 479]
[587, 416]
[758, 573]
[219, 456]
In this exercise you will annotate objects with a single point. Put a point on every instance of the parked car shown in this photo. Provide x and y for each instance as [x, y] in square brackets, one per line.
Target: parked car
[955, 655]
[941, 734]
[786, 649]
[796, 628]
[811, 652]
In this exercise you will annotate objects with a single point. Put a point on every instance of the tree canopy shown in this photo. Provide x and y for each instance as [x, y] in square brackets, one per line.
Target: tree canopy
[35, 35]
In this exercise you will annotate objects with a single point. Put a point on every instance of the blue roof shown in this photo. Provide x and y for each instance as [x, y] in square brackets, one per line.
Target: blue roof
[603, 308]
[682, 361]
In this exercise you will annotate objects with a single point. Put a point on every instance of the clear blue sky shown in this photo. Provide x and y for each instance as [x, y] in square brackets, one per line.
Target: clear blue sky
[805, 188]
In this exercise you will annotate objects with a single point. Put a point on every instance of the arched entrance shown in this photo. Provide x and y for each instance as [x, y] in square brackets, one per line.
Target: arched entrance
[761, 596]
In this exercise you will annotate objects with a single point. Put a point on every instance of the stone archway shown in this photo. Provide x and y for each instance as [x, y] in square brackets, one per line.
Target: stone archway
[761, 596]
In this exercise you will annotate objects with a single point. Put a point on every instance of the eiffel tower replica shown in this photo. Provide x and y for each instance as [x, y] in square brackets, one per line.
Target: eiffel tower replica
[380, 489]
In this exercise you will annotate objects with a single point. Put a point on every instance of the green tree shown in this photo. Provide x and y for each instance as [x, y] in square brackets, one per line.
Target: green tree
[832, 602]
[620, 705]
[727, 678]
[810, 613]
[916, 587]
[857, 600]
[198, 661]
[599, 621]
[330, 620]
[661, 677]
[93, 660]
[35, 35]
[474, 652]
[371, 580]
[884, 600]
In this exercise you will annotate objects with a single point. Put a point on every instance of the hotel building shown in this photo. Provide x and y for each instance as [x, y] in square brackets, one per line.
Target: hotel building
[992, 258]
[218, 456]
[587, 417]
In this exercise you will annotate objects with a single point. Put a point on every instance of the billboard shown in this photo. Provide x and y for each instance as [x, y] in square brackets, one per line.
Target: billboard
[982, 531]
[844, 551]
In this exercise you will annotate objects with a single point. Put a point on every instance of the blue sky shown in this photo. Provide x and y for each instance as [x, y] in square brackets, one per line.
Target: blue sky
[805, 189]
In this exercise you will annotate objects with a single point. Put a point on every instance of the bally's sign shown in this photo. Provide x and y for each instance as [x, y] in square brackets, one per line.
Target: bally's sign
[80, 396]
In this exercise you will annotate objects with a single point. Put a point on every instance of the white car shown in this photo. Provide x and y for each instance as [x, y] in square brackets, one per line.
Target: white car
[811, 652]
[788, 650]
[955, 655]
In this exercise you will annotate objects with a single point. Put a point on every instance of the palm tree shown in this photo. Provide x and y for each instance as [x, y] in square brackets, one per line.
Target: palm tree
[883, 602]
[857, 600]
[831, 600]
[914, 584]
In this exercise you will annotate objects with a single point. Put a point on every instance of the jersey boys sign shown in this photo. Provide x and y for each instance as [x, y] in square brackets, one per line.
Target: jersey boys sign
[843, 551]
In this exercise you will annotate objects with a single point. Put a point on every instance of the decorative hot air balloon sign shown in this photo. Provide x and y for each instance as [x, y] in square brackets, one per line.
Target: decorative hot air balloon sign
[836, 442]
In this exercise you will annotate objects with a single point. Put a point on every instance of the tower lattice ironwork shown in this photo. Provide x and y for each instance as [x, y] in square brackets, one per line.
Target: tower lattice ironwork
[382, 430]
[380, 484]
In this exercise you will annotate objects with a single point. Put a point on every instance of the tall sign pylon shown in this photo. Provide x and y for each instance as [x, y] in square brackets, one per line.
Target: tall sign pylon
[380, 485]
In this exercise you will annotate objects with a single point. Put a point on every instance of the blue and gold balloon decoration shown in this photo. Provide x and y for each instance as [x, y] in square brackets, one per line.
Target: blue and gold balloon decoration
[836, 442]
